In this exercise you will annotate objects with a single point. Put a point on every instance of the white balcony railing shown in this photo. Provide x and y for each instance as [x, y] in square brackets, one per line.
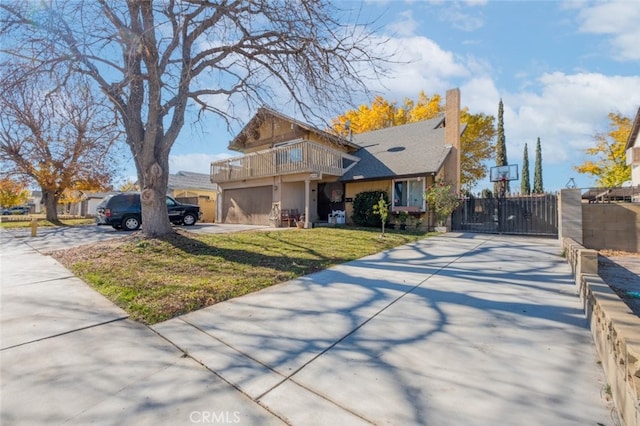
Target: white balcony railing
[297, 157]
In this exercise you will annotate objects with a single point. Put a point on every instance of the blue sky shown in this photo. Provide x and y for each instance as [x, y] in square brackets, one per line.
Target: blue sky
[559, 67]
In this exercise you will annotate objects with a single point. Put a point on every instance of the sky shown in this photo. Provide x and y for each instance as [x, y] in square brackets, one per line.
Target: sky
[560, 67]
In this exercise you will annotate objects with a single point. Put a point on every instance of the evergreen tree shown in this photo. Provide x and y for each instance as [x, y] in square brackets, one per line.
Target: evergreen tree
[538, 188]
[525, 183]
[501, 149]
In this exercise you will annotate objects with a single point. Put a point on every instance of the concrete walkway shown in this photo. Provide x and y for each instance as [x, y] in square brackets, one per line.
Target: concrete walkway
[457, 329]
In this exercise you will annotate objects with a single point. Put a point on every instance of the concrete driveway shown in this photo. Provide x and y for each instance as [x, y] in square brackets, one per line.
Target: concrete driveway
[457, 329]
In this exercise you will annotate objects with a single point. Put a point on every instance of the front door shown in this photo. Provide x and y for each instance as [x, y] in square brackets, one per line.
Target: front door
[330, 198]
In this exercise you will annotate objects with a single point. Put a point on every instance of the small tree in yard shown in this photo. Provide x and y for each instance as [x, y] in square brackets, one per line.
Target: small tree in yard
[157, 61]
[382, 209]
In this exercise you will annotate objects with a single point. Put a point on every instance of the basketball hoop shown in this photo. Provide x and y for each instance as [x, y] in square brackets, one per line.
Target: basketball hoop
[504, 173]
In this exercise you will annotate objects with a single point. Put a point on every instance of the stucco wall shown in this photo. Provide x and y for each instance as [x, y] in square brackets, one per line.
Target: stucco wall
[614, 226]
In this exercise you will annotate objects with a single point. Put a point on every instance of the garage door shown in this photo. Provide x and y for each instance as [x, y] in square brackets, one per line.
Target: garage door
[250, 206]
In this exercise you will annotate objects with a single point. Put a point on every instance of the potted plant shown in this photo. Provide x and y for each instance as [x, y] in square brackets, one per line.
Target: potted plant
[402, 218]
[300, 222]
[442, 200]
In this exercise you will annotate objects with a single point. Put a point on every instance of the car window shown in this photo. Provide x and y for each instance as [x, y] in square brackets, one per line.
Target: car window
[124, 201]
[171, 202]
[105, 201]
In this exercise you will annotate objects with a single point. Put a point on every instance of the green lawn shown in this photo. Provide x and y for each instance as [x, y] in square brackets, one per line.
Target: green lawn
[157, 279]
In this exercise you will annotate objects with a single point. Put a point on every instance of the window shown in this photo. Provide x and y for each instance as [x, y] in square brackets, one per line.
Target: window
[409, 193]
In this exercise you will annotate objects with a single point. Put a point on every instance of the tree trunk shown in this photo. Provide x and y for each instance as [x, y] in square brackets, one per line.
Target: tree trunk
[155, 220]
[51, 205]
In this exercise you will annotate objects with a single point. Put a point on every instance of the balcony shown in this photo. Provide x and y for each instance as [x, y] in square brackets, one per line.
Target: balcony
[296, 157]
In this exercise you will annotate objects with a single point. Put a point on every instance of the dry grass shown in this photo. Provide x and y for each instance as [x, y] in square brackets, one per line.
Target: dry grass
[157, 279]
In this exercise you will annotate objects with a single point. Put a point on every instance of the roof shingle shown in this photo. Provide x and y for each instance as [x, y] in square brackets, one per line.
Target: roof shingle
[411, 149]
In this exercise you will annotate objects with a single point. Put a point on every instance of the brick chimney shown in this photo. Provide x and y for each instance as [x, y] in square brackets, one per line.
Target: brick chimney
[452, 137]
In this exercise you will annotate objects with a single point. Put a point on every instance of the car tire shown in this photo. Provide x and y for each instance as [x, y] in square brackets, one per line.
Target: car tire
[130, 223]
[189, 219]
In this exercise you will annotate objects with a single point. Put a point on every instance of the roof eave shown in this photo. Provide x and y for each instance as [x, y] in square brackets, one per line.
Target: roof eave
[635, 129]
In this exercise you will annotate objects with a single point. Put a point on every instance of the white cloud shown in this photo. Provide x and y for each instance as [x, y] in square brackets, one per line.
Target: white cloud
[195, 162]
[480, 95]
[460, 18]
[619, 19]
[405, 25]
[420, 64]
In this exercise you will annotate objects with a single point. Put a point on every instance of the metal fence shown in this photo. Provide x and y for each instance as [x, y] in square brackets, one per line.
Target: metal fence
[625, 194]
[521, 215]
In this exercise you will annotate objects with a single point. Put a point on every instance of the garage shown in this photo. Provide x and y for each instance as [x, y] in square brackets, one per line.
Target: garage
[247, 206]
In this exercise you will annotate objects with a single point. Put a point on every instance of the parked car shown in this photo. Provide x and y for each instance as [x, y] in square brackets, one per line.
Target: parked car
[16, 210]
[123, 211]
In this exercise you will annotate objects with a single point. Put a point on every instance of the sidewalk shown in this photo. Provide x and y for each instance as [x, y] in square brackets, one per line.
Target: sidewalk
[457, 329]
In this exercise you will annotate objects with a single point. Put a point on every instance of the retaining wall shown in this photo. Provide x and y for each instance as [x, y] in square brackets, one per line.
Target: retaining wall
[615, 329]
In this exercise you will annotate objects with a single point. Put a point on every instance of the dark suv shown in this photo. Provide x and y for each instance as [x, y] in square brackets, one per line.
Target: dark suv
[122, 211]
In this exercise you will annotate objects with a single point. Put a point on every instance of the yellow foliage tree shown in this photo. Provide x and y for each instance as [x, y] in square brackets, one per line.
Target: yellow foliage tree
[12, 192]
[476, 141]
[609, 166]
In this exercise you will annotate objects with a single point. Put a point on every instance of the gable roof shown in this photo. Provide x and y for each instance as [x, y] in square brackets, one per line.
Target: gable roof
[191, 180]
[408, 150]
[237, 143]
[635, 129]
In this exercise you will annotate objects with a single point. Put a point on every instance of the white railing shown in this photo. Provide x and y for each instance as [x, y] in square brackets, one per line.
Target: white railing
[298, 157]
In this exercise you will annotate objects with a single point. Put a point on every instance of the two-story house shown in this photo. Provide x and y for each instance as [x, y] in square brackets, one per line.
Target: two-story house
[288, 165]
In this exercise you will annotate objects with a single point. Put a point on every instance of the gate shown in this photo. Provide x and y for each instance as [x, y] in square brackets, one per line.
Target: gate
[520, 215]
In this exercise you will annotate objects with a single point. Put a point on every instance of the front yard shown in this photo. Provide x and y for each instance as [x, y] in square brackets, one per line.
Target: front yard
[157, 279]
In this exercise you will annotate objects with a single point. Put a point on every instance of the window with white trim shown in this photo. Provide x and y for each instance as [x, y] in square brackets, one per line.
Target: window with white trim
[409, 193]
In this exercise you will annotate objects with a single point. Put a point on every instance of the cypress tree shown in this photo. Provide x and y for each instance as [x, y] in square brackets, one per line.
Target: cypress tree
[501, 149]
[525, 183]
[538, 187]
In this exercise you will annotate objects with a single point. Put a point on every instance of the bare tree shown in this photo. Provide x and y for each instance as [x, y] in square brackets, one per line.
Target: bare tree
[60, 137]
[156, 60]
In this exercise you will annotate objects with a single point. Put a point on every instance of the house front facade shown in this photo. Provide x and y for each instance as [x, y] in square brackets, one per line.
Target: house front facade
[290, 166]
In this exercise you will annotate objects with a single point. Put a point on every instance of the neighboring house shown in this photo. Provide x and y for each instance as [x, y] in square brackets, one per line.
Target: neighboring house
[90, 202]
[290, 165]
[195, 188]
[633, 153]
[36, 201]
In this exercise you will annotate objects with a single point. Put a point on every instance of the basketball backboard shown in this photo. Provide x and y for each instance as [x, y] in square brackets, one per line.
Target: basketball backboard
[504, 173]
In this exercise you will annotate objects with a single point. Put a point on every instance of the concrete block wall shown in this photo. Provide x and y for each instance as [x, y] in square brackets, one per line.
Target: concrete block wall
[615, 330]
[614, 226]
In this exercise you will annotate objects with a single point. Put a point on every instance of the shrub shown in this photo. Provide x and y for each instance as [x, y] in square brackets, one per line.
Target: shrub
[363, 203]
[442, 200]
